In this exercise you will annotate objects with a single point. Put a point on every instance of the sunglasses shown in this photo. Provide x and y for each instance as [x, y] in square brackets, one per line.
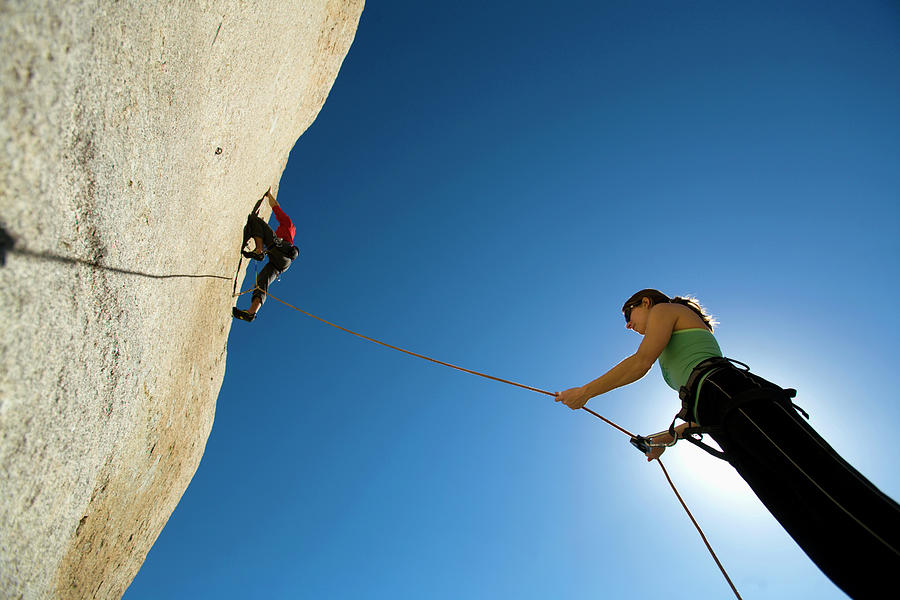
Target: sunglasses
[628, 311]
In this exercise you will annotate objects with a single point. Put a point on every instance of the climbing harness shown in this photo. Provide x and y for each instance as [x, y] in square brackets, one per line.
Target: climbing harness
[688, 393]
[635, 439]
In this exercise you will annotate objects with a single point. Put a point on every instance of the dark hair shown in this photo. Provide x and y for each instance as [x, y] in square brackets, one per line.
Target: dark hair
[657, 297]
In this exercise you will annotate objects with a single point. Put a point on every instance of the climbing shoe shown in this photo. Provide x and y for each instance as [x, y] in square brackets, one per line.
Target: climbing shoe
[253, 255]
[243, 315]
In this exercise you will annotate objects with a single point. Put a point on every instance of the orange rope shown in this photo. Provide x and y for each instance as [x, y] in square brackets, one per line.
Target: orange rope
[608, 422]
[527, 387]
[446, 364]
[700, 531]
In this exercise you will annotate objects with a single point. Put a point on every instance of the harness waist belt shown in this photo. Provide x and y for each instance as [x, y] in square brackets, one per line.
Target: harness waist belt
[688, 392]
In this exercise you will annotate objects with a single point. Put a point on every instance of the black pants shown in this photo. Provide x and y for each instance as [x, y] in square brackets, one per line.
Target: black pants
[278, 261]
[256, 227]
[846, 525]
[264, 278]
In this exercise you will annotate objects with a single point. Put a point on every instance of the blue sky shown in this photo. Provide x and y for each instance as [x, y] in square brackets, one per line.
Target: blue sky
[487, 185]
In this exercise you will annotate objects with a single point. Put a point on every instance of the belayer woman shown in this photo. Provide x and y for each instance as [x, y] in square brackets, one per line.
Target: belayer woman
[845, 524]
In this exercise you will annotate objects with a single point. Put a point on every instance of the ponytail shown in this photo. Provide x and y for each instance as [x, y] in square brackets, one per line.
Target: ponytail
[694, 304]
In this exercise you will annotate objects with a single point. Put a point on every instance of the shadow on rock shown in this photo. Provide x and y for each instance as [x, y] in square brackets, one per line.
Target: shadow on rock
[8, 245]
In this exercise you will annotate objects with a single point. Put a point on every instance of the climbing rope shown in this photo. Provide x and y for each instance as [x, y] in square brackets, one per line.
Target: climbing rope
[702, 536]
[526, 387]
[446, 364]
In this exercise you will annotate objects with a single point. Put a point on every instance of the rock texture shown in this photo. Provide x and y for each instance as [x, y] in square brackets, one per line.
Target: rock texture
[134, 138]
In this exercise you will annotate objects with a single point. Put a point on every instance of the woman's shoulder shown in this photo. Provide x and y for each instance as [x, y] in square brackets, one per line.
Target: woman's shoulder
[681, 316]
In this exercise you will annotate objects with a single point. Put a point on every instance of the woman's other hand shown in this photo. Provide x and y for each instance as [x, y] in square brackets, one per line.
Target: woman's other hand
[656, 451]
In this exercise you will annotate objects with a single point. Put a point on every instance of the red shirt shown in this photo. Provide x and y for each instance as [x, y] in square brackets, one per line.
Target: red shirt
[286, 228]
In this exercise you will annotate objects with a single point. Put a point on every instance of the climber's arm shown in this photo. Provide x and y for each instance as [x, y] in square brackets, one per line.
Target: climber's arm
[272, 201]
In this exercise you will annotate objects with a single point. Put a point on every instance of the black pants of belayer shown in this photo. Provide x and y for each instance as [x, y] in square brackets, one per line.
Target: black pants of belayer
[846, 525]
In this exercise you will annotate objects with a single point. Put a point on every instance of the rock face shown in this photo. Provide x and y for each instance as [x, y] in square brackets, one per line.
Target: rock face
[134, 138]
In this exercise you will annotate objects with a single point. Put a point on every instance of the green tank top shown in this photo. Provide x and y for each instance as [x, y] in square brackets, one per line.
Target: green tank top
[686, 349]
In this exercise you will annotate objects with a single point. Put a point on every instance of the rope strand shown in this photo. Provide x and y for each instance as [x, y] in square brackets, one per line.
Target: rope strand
[700, 531]
[411, 353]
[446, 364]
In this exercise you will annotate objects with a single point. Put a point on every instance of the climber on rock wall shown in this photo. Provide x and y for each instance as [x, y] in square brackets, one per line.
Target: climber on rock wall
[278, 245]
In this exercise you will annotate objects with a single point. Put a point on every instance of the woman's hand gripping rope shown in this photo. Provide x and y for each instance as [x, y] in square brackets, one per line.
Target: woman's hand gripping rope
[574, 398]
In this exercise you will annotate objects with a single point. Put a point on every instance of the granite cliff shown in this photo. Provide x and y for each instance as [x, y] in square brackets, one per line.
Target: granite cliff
[134, 137]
